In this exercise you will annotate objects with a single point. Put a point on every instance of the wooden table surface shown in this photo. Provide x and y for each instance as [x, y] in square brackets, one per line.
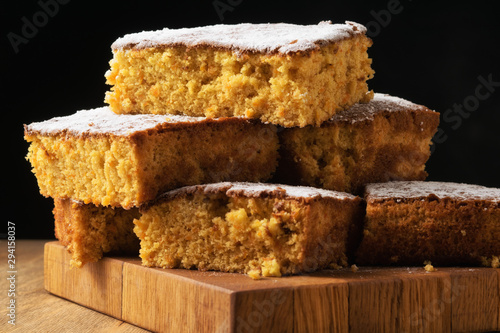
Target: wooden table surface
[39, 311]
[472, 294]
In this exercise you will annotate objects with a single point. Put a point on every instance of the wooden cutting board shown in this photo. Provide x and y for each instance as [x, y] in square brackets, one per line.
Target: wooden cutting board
[403, 299]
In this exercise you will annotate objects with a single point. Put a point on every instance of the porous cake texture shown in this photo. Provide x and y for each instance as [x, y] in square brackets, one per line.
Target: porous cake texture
[259, 229]
[385, 139]
[285, 74]
[408, 223]
[96, 156]
[90, 231]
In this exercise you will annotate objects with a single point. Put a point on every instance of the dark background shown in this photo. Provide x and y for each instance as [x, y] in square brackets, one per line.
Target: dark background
[430, 53]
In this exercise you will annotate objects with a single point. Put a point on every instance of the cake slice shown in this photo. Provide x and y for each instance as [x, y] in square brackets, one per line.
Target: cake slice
[90, 231]
[96, 156]
[259, 229]
[286, 74]
[386, 139]
[408, 223]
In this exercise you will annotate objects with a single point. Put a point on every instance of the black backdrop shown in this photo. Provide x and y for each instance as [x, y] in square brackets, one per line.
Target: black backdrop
[444, 55]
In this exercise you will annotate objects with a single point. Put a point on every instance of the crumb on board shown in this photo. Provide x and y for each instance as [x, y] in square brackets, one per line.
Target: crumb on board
[254, 274]
[493, 262]
[334, 265]
[354, 268]
[428, 267]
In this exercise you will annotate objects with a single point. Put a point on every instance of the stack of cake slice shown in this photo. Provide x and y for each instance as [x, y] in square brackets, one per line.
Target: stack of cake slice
[199, 118]
[100, 166]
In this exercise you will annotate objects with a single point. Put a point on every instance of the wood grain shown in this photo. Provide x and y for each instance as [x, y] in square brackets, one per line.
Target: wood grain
[85, 287]
[373, 305]
[166, 302]
[498, 315]
[475, 300]
[404, 299]
[321, 308]
[39, 311]
[424, 303]
[263, 310]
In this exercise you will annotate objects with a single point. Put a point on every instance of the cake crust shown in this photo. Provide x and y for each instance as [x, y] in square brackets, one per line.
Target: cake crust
[259, 229]
[431, 189]
[99, 157]
[385, 139]
[102, 122]
[254, 190]
[408, 223]
[267, 38]
[89, 232]
[284, 74]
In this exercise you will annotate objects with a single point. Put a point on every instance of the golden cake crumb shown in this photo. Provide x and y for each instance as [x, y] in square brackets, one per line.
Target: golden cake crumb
[257, 229]
[255, 274]
[443, 222]
[127, 160]
[335, 266]
[295, 88]
[270, 267]
[89, 231]
[354, 268]
[495, 262]
[428, 267]
[388, 138]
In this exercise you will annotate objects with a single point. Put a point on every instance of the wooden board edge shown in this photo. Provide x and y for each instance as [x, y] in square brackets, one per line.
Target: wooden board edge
[475, 296]
[498, 277]
[84, 285]
[141, 285]
[322, 307]
[446, 295]
[416, 302]
[264, 310]
[426, 303]
[46, 254]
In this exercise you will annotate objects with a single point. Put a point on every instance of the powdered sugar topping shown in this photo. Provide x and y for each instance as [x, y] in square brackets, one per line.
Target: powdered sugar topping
[256, 189]
[422, 189]
[246, 37]
[379, 103]
[104, 121]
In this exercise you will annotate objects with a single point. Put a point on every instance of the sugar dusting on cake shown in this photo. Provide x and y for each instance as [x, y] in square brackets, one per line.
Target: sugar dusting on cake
[380, 103]
[255, 190]
[246, 37]
[104, 121]
[422, 189]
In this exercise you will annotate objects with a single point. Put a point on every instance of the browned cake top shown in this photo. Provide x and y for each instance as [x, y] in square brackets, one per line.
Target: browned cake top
[421, 189]
[245, 37]
[256, 190]
[380, 103]
[103, 121]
